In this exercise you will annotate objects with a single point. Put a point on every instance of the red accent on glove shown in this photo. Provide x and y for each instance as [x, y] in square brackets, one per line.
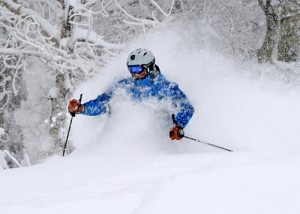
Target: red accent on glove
[176, 133]
[75, 106]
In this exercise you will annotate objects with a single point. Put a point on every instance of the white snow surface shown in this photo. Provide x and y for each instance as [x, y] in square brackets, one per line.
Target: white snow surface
[125, 163]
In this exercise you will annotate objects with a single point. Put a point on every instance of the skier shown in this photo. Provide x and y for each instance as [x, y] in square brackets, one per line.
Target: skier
[146, 82]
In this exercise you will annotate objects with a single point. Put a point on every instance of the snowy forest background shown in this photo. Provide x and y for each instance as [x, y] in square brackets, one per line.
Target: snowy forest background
[48, 48]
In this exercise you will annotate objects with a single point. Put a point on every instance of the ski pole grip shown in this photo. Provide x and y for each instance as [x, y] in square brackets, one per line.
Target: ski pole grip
[174, 120]
[80, 98]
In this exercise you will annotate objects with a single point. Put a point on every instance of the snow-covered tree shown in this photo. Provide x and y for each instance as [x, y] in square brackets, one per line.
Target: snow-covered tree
[57, 33]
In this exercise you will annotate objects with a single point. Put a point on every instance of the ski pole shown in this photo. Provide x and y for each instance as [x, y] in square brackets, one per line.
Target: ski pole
[200, 141]
[73, 114]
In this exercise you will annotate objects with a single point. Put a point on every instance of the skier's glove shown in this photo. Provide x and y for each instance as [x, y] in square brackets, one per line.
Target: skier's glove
[75, 107]
[176, 133]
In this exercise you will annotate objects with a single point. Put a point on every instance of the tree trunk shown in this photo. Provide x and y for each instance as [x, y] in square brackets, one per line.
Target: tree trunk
[58, 110]
[288, 45]
[58, 102]
[265, 53]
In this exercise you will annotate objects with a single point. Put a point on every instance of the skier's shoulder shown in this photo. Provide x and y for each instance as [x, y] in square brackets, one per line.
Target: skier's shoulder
[166, 83]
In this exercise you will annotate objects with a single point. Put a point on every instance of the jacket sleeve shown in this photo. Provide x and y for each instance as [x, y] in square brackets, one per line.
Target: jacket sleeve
[180, 102]
[100, 105]
[97, 106]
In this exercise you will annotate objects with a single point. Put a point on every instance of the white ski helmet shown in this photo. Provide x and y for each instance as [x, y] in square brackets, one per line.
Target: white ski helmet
[140, 57]
[140, 63]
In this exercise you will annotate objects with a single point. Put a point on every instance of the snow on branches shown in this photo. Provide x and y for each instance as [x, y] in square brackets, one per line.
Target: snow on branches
[61, 33]
[37, 33]
[143, 22]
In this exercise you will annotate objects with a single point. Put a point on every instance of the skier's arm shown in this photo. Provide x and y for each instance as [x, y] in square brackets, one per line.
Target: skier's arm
[97, 106]
[185, 110]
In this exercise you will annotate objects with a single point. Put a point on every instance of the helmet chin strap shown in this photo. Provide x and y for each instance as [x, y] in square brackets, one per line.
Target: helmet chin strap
[155, 72]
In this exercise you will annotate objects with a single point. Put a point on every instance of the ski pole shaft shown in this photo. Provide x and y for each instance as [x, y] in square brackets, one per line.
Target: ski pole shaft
[199, 141]
[73, 115]
[65, 146]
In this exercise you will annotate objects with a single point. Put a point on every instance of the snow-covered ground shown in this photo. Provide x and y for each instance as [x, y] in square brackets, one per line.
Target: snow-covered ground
[125, 163]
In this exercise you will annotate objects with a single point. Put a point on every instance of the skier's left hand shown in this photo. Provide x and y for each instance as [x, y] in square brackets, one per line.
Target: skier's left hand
[176, 133]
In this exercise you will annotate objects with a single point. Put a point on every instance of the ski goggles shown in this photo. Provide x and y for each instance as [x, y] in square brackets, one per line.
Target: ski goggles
[136, 69]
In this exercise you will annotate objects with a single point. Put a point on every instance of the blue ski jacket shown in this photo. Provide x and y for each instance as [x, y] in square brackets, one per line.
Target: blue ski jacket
[149, 87]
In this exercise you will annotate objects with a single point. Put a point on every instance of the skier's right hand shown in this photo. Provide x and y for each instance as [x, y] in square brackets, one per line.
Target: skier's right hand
[176, 133]
[75, 107]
